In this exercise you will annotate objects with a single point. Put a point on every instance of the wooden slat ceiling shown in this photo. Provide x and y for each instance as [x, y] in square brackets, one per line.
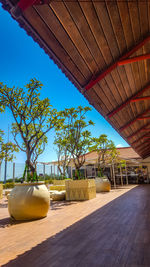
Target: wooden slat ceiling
[84, 38]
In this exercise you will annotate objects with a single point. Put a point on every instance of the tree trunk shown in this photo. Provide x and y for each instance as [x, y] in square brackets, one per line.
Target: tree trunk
[29, 164]
[77, 172]
[59, 168]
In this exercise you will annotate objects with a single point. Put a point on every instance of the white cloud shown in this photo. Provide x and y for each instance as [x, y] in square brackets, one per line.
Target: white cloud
[119, 145]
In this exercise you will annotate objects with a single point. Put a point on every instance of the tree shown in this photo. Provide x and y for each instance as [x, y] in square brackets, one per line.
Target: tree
[6, 150]
[33, 117]
[105, 149]
[76, 138]
[63, 155]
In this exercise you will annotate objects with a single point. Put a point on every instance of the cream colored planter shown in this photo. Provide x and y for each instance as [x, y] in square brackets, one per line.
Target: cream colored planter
[1, 190]
[58, 195]
[7, 191]
[102, 184]
[80, 189]
[29, 201]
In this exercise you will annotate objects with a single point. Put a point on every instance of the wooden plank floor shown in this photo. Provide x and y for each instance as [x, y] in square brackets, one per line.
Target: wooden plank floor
[111, 230]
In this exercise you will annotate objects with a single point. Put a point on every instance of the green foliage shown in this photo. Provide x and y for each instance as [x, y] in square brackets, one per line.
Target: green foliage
[33, 117]
[8, 185]
[17, 180]
[105, 149]
[49, 181]
[63, 155]
[1, 136]
[7, 150]
[73, 136]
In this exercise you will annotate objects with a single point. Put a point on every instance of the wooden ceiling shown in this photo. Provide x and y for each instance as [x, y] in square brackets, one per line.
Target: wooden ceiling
[93, 43]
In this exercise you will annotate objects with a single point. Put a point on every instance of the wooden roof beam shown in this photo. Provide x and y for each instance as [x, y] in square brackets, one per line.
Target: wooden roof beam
[145, 149]
[133, 98]
[145, 142]
[147, 155]
[134, 120]
[145, 130]
[139, 130]
[114, 65]
[139, 139]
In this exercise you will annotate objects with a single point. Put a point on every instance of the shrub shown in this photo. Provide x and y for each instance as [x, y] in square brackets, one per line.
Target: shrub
[8, 185]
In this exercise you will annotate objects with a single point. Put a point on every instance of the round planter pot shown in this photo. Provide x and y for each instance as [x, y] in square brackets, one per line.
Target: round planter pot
[29, 201]
[102, 184]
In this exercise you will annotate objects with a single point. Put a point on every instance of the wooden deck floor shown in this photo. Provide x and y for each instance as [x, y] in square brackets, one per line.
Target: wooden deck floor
[111, 230]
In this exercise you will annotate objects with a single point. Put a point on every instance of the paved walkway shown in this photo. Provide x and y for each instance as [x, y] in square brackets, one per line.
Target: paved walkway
[111, 230]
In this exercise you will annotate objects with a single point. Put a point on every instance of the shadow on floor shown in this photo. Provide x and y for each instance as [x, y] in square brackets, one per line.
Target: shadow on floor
[3, 205]
[6, 222]
[118, 234]
[55, 205]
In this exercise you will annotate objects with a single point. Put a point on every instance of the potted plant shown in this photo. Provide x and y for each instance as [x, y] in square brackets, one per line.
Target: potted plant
[34, 118]
[77, 140]
[104, 147]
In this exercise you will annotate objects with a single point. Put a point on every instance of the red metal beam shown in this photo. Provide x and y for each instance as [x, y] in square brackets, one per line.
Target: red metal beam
[139, 130]
[131, 99]
[140, 98]
[133, 59]
[22, 5]
[114, 65]
[134, 120]
[145, 130]
[143, 118]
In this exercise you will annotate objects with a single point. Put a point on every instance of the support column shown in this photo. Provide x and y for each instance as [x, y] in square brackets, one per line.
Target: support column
[114, 178]
[13, 171]
[44, 170]
[95, 170]
[0, 170]
[126, 174]
[71, 171]
[5, 171]
[121, 175]
[85, 171]
[57, 170]
[54, 169]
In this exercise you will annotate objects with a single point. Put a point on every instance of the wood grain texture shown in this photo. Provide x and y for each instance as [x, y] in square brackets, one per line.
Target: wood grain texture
[88, 37]
[110, 230]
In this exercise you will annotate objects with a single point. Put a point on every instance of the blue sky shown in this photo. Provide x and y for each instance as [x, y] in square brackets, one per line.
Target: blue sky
[22, 59]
